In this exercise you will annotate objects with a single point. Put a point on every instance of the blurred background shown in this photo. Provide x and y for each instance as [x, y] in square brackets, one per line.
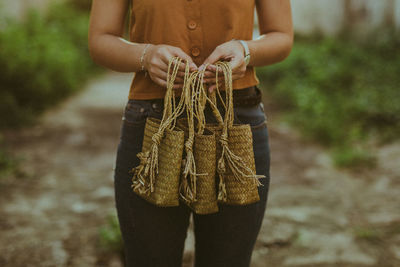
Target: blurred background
[333, 116]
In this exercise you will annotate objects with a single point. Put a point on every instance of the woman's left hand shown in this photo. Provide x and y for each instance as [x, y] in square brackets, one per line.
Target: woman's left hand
[231, 51]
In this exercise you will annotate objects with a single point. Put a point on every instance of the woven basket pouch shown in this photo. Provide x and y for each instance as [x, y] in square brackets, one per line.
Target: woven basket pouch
[240, 142]
[170, 156]
[205, 159]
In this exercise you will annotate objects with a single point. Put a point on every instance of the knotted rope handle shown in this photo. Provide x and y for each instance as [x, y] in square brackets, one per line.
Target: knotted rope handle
[194, 102]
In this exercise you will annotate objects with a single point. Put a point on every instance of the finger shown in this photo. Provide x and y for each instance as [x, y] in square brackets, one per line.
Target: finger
[163, 83]
[213, 80]
[213, 68]
[186, 58]
[237, 75]
[159, 81]
[177, 86]
[163, 75]
[162, 65]
[169, 54]
[212, 87]
[209, 74]
[214, 57]
[239, 72]
[180, 74]
[236, 63]
[182, 66]
[209, 80]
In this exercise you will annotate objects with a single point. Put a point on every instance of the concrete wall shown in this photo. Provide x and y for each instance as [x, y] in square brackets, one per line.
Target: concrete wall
[329, 16]
[18, 8]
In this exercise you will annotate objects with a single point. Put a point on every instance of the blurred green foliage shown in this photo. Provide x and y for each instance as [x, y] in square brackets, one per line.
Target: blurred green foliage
[110, 235]
[43, 59]
[8, 164]
[83, 5]
[340, 92]
[368, 233]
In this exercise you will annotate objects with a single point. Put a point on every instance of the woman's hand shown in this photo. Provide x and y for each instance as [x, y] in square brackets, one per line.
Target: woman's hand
[232, 51]
[156, 61]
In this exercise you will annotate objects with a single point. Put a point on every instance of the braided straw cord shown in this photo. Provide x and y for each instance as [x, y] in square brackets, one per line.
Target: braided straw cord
[198, 188]
[143, 180]
[194, 99]
[188, 182]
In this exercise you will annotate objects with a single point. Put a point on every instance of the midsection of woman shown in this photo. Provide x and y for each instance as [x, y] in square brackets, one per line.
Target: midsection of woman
[197, 27]
[200, 32]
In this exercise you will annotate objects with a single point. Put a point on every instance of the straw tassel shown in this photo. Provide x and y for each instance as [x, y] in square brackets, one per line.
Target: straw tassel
[140, 173]
[235, 163]
[188, 192]
[240, 171]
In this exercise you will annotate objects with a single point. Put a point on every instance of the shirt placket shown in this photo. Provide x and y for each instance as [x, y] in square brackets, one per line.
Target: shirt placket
[193, 19]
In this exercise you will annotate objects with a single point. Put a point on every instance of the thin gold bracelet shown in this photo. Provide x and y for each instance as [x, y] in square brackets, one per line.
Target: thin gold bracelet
[142, 56]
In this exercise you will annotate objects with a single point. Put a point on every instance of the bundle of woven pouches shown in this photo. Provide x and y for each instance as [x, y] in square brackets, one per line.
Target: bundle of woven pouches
[184, 159]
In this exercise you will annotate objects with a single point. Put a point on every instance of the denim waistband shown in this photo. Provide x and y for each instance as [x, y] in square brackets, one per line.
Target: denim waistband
[249, 96]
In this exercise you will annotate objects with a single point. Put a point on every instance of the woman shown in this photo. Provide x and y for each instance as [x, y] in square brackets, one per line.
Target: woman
[200, 31]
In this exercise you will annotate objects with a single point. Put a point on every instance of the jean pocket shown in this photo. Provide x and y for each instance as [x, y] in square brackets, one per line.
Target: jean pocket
[136, 112]
[254, 115]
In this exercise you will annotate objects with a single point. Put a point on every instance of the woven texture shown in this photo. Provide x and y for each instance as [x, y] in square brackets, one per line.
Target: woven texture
[180, 159]
[170, 156]
[204, 148]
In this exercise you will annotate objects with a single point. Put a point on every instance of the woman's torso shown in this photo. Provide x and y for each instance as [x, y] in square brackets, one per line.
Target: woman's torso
[196, 26]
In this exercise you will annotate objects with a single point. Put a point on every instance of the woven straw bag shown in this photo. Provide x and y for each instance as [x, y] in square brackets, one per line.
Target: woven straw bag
[157, 177]
[197, 188]
[238, 182]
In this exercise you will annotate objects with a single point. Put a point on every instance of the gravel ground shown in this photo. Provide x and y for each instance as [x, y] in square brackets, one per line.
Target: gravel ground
[317, 215]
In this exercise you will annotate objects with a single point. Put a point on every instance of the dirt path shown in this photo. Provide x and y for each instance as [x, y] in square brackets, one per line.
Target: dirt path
[316, 215]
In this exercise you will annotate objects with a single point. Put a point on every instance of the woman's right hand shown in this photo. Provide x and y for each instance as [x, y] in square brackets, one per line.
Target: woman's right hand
[156, 61]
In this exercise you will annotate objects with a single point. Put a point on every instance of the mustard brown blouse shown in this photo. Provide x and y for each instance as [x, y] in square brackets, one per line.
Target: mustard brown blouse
[196, 26]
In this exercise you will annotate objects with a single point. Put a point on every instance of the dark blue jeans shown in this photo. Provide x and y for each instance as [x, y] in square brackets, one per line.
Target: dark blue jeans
[154, 236]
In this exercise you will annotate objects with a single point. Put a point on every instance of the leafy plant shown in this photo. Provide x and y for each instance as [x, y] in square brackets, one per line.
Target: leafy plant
[8, 163]
[110, 235]
[42, 60]
[340, 92]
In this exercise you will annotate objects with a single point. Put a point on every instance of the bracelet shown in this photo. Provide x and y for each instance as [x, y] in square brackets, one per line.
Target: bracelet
[246, 50]
[142, 56]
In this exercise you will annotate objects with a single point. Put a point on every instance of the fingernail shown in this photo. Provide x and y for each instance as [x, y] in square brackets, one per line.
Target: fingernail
[193, 67]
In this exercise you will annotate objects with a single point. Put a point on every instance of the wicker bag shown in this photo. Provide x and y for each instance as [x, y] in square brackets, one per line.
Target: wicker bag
[238, 182]
[157, 177]
[197, 188]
